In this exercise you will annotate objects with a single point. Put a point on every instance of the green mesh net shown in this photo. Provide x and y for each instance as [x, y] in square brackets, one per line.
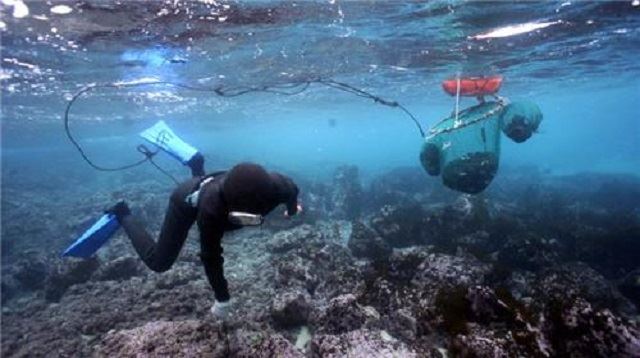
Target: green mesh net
[520, 120]
[466, 150]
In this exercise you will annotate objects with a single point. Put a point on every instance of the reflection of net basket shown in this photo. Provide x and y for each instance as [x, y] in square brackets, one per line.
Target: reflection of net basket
[468, 147]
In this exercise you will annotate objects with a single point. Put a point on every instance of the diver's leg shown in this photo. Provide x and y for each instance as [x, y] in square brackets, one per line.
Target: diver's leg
[160, 256]
[196, 163]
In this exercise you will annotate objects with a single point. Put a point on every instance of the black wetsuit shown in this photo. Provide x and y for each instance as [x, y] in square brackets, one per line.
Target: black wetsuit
[211, 214]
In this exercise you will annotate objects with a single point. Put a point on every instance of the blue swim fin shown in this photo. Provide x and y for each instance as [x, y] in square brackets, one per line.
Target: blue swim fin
[163, 137]
[93, 239]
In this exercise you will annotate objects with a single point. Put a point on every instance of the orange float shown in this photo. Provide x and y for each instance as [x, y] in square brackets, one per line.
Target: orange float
[473, 86]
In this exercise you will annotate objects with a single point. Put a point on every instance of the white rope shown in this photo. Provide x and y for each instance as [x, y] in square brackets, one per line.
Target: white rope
[457, 97]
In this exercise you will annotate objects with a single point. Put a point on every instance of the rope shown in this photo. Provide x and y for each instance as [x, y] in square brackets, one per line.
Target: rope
[457, 97]
[287, 89]
[358, 92]
[148, 154]
[79, 148]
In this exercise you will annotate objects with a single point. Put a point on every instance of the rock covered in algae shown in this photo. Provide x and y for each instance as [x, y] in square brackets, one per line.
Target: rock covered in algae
[365, 243]
[291, 309]
[165, 338]
[360, 343]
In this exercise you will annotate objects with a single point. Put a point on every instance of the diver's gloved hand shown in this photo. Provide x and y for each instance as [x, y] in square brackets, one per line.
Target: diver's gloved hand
[221, 309]
[298, 211]
[196, 163]
[120, 210]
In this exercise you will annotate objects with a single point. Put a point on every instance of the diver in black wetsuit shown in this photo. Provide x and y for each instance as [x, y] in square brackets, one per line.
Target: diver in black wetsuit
[208, 200]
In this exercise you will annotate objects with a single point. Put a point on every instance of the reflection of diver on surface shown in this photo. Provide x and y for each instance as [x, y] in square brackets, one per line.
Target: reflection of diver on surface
[217, 202]
[465, 147]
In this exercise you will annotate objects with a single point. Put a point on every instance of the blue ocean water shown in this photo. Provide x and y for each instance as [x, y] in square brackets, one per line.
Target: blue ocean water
[577, 60]
[580, 69]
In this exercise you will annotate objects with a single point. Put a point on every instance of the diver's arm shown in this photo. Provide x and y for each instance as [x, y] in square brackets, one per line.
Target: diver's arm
[211, 256]
[292, 204]
[288, 193]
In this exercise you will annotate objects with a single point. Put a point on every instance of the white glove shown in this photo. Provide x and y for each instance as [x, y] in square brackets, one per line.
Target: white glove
[221, 309]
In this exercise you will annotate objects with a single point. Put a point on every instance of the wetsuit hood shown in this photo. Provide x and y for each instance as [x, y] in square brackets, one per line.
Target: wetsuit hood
[249, 188]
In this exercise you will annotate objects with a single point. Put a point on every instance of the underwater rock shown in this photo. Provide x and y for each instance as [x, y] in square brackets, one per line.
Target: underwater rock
[31, 272]
[252, 344]
[165, 338]
[315, 198]
[287, 240]
[403, 325]
[617, 193]
[10, 287]
[519, 283]
[28, 274]
[527, 251]
[438, 271]
[68, 272]
[577, 279]
[403, 263]
[359, 344]
[485, 323]
[482, 341]
[401, 226]
[403, 305]
[7, 245]
[294, 271]
[89, 310]
[485, 306]
[343, 314]
[336, 271]
[388, 286]
[479, 343]
[575, 328]
[179, 275]
[630, 287]
[608, 241]
[345, 199]
[320, 267]
[364, 242]
[291, 309]
[464, 223]
[120, 269]
[404, 184]
[444, 227]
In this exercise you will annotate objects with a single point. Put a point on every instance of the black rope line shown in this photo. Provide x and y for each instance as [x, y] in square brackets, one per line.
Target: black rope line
[286, 88]
[149, 155]
[79, 148]
[358, 92]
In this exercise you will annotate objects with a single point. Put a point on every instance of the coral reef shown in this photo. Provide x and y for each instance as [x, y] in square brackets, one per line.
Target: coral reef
[412, 270]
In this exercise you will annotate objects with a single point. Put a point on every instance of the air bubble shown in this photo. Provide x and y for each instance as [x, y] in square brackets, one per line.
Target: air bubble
[61, 10]
[20, 10]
